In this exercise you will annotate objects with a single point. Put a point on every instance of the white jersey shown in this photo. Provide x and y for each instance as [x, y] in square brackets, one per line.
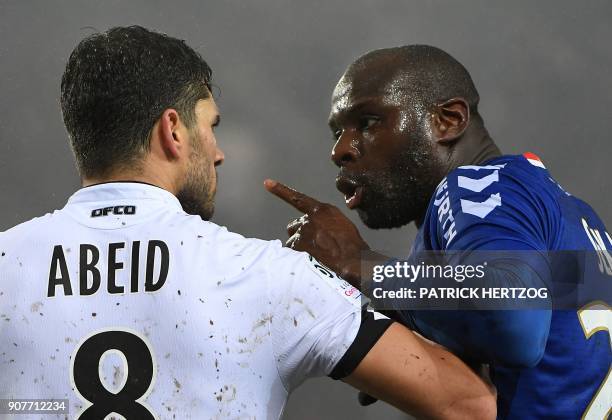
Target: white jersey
[122, 303]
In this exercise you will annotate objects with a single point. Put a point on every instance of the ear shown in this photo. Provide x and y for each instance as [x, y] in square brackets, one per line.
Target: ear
[171, 136]
[450, 120]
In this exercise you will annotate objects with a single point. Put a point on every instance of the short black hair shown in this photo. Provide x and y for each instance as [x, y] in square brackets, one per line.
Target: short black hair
[428, 74]
[115, 87]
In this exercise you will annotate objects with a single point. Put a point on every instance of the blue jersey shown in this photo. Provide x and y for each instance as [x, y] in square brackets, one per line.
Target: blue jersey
[544, 363]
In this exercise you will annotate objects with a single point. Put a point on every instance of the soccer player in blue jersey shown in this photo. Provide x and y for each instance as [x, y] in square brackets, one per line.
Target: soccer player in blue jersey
[412, 147]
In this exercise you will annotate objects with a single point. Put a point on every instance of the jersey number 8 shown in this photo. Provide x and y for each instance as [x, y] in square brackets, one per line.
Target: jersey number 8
[140, 373]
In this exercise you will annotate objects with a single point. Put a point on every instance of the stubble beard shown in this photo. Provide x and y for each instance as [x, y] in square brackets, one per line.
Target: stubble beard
[197, 196]
[401, 193]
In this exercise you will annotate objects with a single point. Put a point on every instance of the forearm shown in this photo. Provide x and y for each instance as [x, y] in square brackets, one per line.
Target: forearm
[423, 379]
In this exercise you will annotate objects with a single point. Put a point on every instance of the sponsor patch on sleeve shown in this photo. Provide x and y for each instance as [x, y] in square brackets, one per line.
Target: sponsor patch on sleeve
[344, 288]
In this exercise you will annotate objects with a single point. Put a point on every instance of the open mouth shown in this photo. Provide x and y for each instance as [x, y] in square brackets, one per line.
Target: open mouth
[351, 190]
[353, 200]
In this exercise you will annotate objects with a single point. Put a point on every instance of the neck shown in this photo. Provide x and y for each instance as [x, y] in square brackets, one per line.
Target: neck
[474, 148]
[151, 179]
[488, 151]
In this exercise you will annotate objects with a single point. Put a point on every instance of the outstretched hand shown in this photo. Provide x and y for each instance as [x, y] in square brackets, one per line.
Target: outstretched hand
[323, 231]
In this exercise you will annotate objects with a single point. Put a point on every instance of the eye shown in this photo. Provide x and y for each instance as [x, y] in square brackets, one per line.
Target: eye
[336, 132]
[216, 122]
[368, 121]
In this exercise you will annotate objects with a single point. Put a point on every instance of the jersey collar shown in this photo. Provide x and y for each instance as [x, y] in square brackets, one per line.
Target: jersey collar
[120, 190]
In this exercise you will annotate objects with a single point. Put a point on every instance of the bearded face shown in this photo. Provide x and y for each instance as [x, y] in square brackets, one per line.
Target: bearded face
[197, 196]
[399, 193]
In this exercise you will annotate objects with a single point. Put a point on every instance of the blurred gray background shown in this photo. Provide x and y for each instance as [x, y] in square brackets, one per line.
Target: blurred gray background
[542, 69]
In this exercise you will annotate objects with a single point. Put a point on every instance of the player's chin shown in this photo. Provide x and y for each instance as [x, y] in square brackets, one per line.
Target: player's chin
[206, 207]
[207, 211]
[192, 204]
[378, 218]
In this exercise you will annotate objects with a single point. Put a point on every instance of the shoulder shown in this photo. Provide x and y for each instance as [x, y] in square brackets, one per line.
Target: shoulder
[220, 249]
[509, 177]
[27, 229]
[512, 193]
[281, 262]
[289, 271]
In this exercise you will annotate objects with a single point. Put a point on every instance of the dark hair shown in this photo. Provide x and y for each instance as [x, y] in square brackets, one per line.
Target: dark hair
[429, 75]
[115, 87]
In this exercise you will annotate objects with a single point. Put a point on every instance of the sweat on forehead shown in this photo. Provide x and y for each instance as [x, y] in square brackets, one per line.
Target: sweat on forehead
[421, 74]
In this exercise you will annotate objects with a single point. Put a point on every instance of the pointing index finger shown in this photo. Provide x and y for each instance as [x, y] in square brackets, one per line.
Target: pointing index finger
[296, 199]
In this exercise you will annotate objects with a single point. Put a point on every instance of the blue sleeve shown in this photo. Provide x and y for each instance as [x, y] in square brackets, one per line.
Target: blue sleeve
[493, 208]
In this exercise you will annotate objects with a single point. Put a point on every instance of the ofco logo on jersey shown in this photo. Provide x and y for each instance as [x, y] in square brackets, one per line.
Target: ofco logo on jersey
[105, 211]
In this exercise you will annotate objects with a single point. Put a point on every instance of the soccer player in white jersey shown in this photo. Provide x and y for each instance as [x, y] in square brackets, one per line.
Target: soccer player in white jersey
[129, 302]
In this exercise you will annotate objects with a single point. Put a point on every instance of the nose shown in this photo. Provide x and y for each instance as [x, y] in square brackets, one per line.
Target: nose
[219, 157]
[346, 149]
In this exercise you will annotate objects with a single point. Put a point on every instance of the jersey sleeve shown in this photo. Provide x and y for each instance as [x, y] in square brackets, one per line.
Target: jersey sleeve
[503, 212]
[495, 208]
[319, 325]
